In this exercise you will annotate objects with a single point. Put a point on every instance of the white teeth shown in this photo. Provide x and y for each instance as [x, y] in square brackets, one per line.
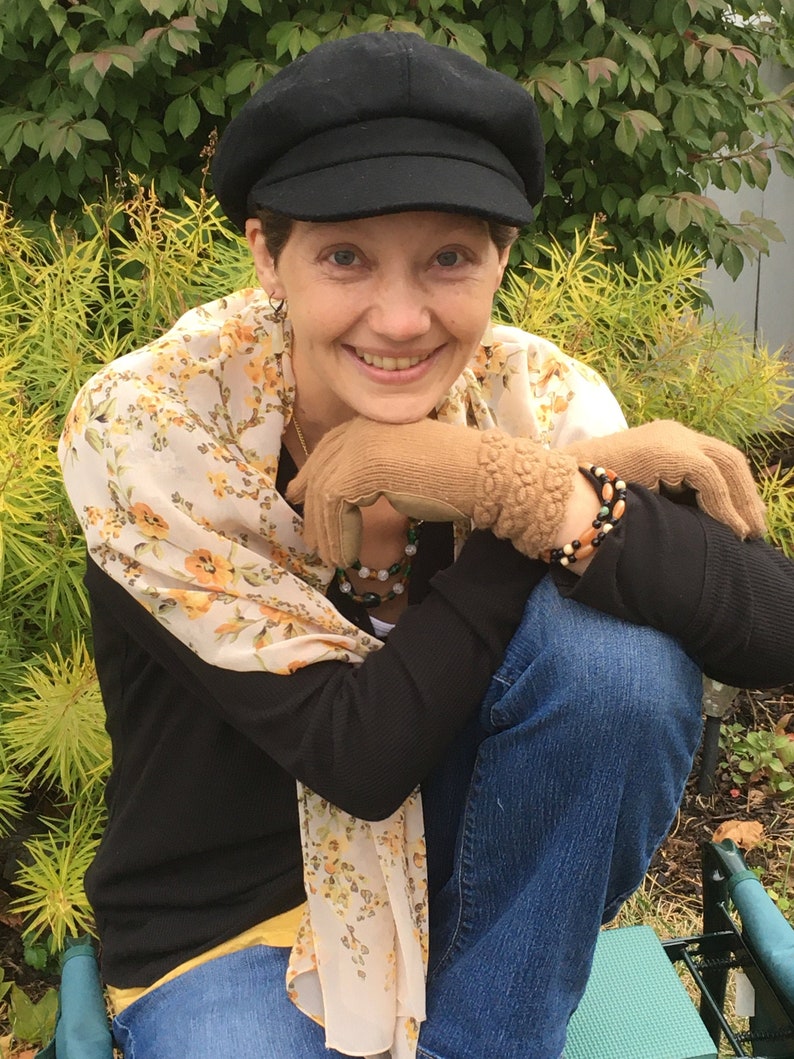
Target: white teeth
[391, 363]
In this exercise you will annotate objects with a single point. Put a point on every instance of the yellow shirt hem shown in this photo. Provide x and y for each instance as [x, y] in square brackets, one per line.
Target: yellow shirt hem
[277, 932]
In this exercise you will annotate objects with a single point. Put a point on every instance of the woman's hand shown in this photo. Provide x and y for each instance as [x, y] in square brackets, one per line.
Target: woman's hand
[666, 453]
[432, 471]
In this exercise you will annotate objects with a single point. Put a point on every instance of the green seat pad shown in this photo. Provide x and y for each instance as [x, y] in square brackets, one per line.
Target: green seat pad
[635, 1005]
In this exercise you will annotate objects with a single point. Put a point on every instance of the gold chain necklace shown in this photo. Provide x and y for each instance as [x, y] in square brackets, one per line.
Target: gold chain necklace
[301, 438]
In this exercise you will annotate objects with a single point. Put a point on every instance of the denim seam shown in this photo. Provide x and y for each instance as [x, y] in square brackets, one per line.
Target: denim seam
[465, 863]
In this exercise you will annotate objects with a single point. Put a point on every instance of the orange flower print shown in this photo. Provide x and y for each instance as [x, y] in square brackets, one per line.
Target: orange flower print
[193, 604]
[209, 569]
[148, 522]
[255, 369]
[75, 423]
[219, 481]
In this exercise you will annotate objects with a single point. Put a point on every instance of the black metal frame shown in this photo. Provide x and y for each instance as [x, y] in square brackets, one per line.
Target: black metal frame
[709, 957]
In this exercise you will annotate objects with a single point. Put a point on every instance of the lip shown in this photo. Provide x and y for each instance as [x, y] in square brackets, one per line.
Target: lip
[393, 375]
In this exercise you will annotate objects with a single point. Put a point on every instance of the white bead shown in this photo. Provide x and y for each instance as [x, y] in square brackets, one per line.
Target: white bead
[410, 549]
[345, 587]
[364, 571]
[383, 575]
[399, 588]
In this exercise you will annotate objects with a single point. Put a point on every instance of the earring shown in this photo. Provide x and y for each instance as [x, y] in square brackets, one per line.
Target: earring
[278, 310]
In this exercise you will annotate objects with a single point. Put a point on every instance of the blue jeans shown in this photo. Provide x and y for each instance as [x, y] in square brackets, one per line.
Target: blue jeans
[540, 821]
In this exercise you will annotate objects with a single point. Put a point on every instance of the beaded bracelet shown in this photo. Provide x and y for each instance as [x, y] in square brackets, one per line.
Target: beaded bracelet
[611, 492]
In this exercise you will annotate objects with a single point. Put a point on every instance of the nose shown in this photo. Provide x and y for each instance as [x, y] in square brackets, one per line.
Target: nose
[400, 310]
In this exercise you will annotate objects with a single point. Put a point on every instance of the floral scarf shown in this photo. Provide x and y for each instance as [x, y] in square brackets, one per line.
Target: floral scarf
[170, 456]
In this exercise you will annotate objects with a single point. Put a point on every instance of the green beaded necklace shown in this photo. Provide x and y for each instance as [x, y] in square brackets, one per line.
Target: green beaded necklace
[400, 567]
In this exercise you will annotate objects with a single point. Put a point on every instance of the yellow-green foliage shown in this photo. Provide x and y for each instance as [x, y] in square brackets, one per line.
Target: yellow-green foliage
[54, 730]
[70, 303]
[662, 357]
[644, 333]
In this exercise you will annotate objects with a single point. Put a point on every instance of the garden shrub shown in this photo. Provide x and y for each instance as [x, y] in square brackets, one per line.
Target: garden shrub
[644, 102]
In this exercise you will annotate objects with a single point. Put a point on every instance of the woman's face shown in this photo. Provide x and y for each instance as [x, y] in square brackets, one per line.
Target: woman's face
[386, 311]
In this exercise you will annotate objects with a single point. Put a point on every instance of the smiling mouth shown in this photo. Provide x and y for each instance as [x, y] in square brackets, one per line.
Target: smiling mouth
[392, 363]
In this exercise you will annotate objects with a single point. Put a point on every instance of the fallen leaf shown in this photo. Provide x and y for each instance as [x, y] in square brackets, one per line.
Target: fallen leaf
[755, 798]
[745, 833]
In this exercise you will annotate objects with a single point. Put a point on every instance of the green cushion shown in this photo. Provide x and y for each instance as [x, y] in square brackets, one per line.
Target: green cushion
[635, 1005]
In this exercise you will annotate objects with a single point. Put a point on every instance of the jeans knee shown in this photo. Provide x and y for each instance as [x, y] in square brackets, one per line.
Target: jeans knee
[597, 676]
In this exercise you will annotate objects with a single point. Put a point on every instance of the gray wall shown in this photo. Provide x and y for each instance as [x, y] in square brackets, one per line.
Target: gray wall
[762, 298]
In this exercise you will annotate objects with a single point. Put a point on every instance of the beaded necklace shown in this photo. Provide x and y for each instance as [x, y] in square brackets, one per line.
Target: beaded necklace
[400, 568]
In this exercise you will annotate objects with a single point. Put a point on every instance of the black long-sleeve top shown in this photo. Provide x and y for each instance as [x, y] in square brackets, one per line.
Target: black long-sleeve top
[202, 837]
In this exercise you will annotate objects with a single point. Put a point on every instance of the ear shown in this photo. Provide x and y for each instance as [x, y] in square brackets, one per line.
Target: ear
[504, 257]
[263, 262]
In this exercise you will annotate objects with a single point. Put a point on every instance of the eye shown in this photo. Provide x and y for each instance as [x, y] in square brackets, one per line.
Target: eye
[448, 258]
[344, 257]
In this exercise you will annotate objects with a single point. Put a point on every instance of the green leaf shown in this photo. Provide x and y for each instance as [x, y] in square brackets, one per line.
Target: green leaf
[691, 58]
[181, 115]
[731, 174]
[92, 129]
[241, 76]
[732, 260]
[646, 204]
[683, 116]
[662, 100]
[12, 143]
[678, 215]
[596, 11]
[57, 17]
[682, 16]
[785, 160]
[626, 138]
[328, 21]
[34, 1022]
[542, 25]
[712, 64]
[592, 123]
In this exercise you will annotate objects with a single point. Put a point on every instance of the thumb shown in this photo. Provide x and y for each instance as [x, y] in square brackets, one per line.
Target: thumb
[296, 490]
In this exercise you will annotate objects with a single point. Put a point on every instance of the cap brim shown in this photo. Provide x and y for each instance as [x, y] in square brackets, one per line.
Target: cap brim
[395, 184]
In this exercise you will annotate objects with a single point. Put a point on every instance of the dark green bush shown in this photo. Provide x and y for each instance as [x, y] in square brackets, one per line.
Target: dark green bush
[645, 102]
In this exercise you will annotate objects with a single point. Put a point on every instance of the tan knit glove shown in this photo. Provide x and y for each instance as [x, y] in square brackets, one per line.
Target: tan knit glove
[433, 471]
[666, 453]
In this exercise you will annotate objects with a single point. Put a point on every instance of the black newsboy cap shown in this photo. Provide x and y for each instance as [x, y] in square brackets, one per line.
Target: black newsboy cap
[383, 123]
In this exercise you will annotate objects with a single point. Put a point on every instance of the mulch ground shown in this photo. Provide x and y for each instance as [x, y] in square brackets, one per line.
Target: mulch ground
[675, 871]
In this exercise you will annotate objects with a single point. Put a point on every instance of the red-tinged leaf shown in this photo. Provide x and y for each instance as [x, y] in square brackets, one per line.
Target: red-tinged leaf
[152, 34]
[185, 24]
[102, 62]
[600, 67]
[743, 56]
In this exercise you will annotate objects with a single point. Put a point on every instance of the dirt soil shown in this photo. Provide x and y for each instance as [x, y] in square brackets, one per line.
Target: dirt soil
[675, 871]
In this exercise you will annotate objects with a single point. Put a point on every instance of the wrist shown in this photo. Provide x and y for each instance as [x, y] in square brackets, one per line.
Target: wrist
[610, 492]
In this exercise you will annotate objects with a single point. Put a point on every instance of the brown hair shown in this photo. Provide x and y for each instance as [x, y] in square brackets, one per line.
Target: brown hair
[276, 228]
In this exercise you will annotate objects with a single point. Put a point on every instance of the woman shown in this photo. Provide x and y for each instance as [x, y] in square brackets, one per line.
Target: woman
[443, 611]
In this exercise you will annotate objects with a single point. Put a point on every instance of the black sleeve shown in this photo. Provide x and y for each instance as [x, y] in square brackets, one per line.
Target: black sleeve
[362, 736]
[671, 566]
